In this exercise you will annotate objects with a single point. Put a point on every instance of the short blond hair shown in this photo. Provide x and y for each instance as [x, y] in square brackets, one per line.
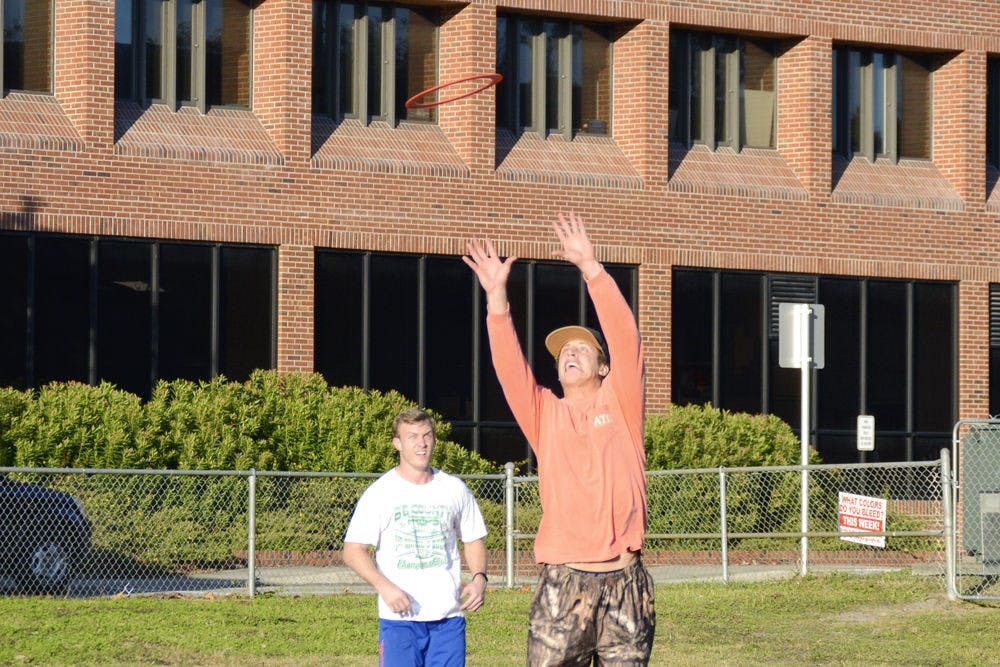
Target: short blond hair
[411, 416]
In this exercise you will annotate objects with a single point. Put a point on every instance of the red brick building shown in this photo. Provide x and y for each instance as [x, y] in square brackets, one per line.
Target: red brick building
[240, 187]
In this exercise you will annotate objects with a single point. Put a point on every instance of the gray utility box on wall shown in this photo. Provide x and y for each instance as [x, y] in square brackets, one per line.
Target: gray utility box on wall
[980, 493]
[989, 528]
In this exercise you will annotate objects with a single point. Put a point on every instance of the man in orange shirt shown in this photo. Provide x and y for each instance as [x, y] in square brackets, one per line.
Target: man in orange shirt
[594, 599]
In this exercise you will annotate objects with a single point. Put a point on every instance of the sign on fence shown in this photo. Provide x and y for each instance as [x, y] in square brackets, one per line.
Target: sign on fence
[861, 514]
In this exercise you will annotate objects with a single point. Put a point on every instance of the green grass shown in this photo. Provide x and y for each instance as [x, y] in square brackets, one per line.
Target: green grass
[885, 619]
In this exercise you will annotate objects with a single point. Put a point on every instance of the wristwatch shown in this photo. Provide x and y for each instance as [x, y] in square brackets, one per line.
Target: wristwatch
[483, 574]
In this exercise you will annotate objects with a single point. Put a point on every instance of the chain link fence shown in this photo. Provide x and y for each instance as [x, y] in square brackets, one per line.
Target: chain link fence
[976, 510]
[123, 532]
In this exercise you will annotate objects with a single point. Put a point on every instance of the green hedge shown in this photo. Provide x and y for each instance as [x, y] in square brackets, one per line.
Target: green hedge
[296, 422]
[273, 421]
[701, 436]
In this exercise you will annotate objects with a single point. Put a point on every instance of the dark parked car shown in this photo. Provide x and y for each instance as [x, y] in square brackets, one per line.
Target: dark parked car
[44, 535]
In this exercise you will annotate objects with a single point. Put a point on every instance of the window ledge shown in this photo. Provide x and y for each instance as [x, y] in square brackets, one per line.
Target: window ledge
[753, 172]
[409, 148]
[587, 160]
[908, 184]
[36, 121]
[220, 135]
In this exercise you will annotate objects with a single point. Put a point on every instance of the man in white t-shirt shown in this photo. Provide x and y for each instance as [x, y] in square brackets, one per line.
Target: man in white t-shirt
[414, 516]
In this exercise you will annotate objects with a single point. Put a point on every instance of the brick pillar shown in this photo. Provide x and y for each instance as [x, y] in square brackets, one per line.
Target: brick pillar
[973, 349]
[804, 103]
[960, 125]
[655, 290]
[641, 98]
[467, 43]
[295, 308]
[282, 84]
[84, 84]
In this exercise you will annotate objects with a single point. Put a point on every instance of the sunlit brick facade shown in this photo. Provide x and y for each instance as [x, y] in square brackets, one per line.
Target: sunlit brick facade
[76, 161]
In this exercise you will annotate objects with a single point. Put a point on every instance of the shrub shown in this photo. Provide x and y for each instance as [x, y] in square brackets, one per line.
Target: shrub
[701, 436]
[287, 421]
[69, 424]
[13, 403]
[273, 421]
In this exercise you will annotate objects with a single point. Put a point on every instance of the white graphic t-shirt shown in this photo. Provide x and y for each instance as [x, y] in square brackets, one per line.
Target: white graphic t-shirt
[415, 529]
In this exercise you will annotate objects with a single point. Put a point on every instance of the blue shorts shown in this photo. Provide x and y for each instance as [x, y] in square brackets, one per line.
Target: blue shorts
[422, 643]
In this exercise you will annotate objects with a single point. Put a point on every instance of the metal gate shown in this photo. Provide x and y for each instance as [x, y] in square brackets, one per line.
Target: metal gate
[974, 570]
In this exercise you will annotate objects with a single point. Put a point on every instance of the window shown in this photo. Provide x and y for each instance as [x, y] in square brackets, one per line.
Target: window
[889, 350]
[133, 312]
[993, 112]
[881, 104]
[183, 52]
[722, 90]
[557, 76]
[26, 57]
[368, 59]
[416, 324]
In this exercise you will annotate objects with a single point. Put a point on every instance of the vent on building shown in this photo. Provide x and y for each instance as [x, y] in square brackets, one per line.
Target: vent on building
[994, 315]
[788, 289]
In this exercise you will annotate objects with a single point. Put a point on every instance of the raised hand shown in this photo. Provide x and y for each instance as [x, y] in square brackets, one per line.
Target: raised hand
[492, 272]
[576, 245]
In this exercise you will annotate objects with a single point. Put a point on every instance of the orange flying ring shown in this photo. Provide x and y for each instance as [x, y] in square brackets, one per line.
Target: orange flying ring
[492, 79]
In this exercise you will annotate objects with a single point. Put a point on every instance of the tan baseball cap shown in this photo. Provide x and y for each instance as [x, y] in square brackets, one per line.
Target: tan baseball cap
[554, 341]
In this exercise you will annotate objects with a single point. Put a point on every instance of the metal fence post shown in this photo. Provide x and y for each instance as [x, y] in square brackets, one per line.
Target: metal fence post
[723, 525]
[508, 495]
[949, 524]
[252, 534]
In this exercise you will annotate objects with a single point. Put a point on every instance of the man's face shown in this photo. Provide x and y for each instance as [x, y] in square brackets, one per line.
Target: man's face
[415, 444]
[579, 363]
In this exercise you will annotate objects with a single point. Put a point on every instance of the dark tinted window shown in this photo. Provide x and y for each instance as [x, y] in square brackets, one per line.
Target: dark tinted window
[246, 310]
[394, 334]
[740, 339]
[14, 311]
[691, 338]
[124, 312]
[134, 311]
[837, 391]
[62, 309]
[185, 321]
[933, 343]
[340, 333]
[886, 377]
[889, 351]
[428, 340]
[784, 388]
[450, 294]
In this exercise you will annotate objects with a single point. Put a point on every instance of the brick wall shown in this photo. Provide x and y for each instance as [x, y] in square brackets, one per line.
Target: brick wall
[72, 162]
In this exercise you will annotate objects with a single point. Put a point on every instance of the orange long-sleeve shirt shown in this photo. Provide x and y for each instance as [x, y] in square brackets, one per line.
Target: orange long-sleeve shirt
[591, 460]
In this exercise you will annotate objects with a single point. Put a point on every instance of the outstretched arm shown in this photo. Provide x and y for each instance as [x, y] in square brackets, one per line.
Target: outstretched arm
[576, 245]
[492, 273]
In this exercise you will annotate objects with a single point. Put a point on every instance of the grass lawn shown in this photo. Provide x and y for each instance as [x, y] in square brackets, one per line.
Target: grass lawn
[884, 619]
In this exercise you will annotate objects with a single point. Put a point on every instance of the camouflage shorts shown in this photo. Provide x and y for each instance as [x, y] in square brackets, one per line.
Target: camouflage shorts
[580, 618]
